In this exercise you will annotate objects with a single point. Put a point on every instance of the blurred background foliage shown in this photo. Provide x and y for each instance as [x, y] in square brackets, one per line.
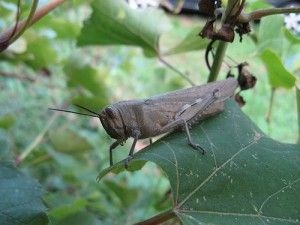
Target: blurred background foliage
[53, 65]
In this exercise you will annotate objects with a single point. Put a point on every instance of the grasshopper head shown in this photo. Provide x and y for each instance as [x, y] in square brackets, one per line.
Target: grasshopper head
[112, 122]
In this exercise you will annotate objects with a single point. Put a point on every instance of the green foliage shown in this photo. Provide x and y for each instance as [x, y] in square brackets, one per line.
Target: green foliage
[245, 177]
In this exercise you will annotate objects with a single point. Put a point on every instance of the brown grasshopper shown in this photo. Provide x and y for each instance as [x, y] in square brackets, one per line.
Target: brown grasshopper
[163, 113]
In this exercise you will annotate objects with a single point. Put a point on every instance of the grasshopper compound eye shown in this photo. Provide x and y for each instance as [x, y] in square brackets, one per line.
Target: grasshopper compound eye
[110, 112]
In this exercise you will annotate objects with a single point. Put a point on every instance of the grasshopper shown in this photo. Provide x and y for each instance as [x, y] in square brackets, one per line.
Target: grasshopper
[163, 113]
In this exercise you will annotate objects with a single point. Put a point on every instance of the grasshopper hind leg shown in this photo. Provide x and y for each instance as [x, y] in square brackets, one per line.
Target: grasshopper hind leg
[190, 141]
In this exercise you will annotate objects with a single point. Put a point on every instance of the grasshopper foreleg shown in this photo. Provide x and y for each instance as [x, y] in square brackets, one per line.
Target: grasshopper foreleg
[112, 147]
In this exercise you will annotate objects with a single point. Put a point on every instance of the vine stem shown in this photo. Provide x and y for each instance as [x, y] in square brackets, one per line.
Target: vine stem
[217, 63]
[159, 218]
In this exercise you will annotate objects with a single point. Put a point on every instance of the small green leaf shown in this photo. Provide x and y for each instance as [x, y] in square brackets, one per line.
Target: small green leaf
[244, 178]
[21, 201]
[113, 22]
[278, 75]
[68, 141]
[191, 42]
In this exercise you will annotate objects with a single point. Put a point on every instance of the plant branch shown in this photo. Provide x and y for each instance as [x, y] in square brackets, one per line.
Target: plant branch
[26, 22]
[159, 218]
[34, 16]
[258, 14]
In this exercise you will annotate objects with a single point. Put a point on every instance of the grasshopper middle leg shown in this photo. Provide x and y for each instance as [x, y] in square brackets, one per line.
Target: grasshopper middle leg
[190, 141]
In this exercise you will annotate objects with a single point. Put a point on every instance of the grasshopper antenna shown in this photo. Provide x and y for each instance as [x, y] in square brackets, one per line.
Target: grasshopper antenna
[81, 107]
[84, 114]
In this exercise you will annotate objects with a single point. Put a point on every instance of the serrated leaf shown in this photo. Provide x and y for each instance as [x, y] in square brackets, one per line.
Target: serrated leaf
[113, 22]
[191, 42]
[278, 75]
[21, 201]
[244, 178]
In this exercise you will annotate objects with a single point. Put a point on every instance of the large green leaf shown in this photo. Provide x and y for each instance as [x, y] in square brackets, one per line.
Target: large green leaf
[21, 201]
[113, 22]
[278, 75]
[244, 178]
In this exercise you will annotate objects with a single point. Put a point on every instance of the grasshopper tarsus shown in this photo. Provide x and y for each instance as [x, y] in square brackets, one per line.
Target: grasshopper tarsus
[197, 147]
[127, 160]
[190, 141]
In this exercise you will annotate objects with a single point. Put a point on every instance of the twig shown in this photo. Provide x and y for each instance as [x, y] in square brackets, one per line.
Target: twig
[184, 76]
[258, 14]
[216, 66]
[36, 141]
